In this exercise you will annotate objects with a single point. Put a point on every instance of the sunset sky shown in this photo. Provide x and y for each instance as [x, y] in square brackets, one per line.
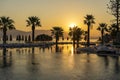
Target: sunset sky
[56, 12]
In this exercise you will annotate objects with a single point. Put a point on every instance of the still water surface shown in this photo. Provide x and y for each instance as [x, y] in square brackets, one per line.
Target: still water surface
[47, 64]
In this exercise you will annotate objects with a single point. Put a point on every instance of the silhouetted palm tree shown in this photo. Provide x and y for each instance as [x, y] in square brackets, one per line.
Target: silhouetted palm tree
[57, 32]
[102, 27]
[33, 21]
[89, 21]
[72, 34]
[76, 34]
[85, 35]
[113, 31]
[5, 24]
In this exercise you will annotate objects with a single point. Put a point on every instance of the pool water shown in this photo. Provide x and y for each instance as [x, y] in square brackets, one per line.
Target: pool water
[38, 63]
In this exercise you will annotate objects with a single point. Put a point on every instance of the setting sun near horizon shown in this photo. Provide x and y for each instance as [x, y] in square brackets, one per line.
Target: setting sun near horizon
[72, 25]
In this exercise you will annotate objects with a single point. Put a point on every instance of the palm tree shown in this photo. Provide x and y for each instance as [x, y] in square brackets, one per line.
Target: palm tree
[102, 27]
[113, 31]
[33, 21]
[5, 24]
[72, 34]
[76, 34]
[89, 21]
[57, 32]
[85, 35]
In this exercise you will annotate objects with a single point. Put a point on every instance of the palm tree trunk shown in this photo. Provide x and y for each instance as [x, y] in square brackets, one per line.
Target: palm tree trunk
[73, 39]
[117, 17]
[4, 36]
[33, 56]
[117, 10]
[56, 39]
[102, 33]
[4, 57]
[33, 32]
[56, 42]
[88, 38]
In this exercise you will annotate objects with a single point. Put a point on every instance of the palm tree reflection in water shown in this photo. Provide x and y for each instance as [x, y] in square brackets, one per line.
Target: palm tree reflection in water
[117, 66]
[34, 60]
[7, 59]
[57, 48]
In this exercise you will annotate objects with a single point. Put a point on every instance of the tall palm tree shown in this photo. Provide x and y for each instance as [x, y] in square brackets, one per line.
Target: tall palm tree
[102, 28]
[89, 21]
[57, 32]
[76, 34]
[5, 24]
[33, 21]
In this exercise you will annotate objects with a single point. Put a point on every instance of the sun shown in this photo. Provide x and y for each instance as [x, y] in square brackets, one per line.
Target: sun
[72, 25]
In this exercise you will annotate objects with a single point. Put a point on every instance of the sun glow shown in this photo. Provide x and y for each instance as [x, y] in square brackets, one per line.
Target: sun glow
[72, 25]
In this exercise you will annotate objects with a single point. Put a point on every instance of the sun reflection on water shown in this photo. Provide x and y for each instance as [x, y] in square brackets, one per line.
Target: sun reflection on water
[72, 51]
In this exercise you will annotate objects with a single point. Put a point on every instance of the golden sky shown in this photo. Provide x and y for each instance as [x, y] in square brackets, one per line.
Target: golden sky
[56, 12]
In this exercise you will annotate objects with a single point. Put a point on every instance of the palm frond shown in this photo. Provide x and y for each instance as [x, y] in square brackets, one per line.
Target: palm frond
[11, 27]
[28, 23]
[89, 20]
[102, 27]
[57, 31]
[6, 23]
[33, 20]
